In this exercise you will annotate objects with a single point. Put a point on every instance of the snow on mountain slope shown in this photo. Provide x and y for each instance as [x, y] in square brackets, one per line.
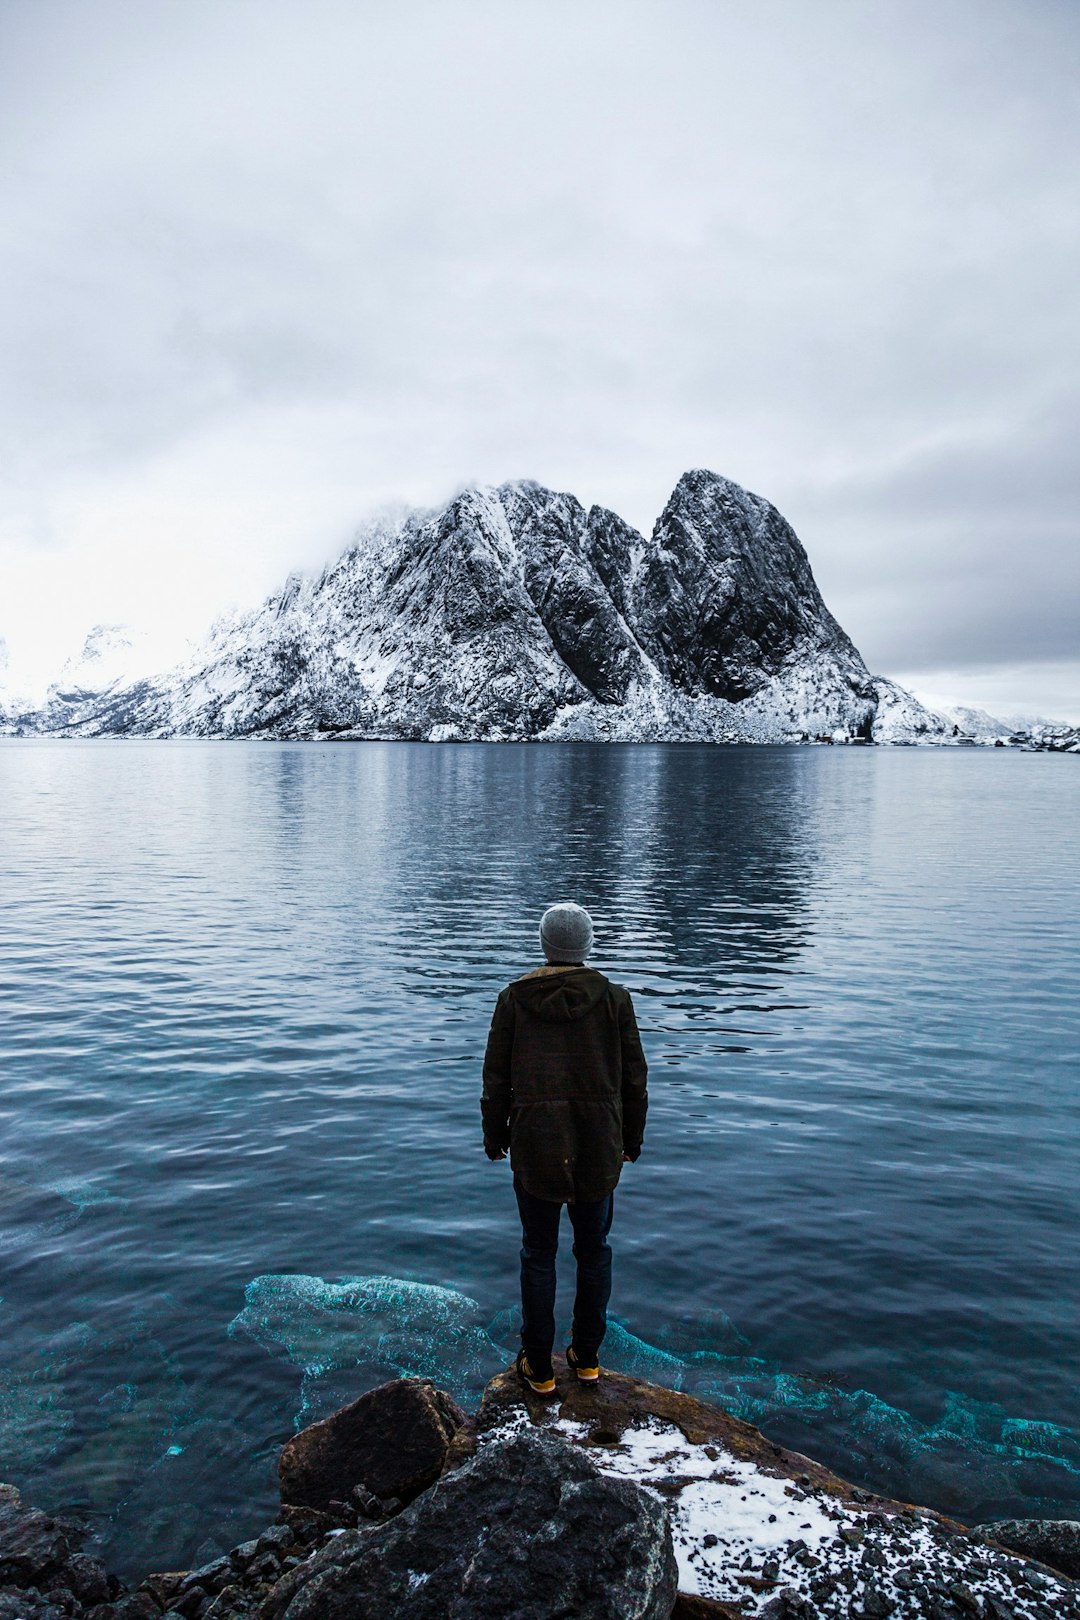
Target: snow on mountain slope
[901, 718]
[111, 657]
[515, 613]
[17, 705]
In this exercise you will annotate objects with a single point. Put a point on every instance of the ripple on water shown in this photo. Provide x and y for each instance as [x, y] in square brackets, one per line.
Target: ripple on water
[245, 996]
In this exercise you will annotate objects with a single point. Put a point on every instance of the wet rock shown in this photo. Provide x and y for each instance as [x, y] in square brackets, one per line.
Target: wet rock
[211, 1577]
[130, 1606]
[305, 1525]
[33, 1546]
[189, 1604]
[86, 1578]
[1055, 1542]
[164, 1588]
[16, 1603]
[393, 1441]
[231, 1600]
[267, 1567]
[527, 1530]
[279, 1537]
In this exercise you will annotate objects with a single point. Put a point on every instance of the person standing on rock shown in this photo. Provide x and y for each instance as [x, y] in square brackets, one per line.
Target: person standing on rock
[565, 1092]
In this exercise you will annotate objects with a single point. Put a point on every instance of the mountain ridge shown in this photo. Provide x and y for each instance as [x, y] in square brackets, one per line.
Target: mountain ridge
[514, 613]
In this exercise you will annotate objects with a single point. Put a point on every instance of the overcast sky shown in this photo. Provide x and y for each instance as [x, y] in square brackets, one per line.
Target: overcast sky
[268, 266]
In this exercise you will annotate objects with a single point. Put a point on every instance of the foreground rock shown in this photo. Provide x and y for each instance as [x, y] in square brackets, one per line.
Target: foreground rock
[529, 1529]
[591, 1506]
[392, 1442]
[759, 1530]
[42, 1572]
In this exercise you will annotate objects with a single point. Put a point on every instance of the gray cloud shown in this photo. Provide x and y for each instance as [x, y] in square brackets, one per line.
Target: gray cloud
[267, 266]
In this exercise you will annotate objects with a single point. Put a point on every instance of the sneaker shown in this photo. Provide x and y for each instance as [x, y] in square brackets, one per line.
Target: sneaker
[587, 1370]
[540, 1380]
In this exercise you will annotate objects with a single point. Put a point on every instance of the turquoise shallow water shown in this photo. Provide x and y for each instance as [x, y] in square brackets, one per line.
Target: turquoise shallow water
[244, 991]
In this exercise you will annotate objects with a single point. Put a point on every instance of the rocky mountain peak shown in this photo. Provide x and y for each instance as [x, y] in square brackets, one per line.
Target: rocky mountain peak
[514, 612]
[728, 596]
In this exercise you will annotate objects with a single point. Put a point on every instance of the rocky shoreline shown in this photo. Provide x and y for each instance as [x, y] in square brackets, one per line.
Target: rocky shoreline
[623, 1501]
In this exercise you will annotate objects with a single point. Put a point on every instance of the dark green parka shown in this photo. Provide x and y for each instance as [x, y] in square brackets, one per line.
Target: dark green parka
[564, 1082]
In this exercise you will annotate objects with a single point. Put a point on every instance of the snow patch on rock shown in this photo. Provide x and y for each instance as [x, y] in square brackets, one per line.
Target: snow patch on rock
[743, 1535]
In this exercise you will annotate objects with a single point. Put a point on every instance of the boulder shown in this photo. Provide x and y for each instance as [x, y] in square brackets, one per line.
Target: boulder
[758, 1528]
[86, 1578]
[1054, 1542]
[527, 1530]
[393, 1441]
[33, 1546]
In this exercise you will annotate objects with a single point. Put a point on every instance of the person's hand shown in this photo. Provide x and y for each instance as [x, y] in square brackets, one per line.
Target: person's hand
[626, 1159]
[493, 1155]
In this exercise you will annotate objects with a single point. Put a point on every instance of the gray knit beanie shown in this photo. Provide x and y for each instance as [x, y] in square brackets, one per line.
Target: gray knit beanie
[566, 932]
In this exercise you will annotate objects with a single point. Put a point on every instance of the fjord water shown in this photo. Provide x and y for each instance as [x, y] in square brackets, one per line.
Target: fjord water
[244, 992]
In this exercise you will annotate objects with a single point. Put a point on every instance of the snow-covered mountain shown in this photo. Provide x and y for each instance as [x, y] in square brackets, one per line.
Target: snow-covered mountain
[17, 706]
[111, 657]
[515, 613]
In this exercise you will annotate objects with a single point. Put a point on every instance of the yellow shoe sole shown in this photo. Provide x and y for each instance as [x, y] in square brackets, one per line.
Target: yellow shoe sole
[539, 1386]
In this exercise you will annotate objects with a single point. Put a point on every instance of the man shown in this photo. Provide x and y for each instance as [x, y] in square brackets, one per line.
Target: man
[564, 1090]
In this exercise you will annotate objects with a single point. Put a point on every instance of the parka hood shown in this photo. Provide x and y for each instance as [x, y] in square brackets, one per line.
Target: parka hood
[560, 995]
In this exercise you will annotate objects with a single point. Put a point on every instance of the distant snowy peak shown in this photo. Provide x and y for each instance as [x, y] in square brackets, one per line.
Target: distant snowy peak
[901, 718]
[109, 654]
[17, 704]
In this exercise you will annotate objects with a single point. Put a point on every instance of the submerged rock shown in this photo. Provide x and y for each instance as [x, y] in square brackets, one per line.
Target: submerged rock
[393, 1442]
[528, 1530]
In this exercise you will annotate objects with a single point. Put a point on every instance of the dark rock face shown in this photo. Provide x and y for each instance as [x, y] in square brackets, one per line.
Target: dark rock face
[514, 613]
[392, 1441]
[725, 594]
[1055, 1542]
[42, 1574]
[527, 1531]
[33, 1546]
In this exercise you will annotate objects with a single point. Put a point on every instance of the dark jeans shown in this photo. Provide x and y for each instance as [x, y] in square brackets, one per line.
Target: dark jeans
[539, 1243]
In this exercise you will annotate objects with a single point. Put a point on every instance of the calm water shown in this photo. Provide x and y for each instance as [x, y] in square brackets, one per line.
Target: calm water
[244, 991]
